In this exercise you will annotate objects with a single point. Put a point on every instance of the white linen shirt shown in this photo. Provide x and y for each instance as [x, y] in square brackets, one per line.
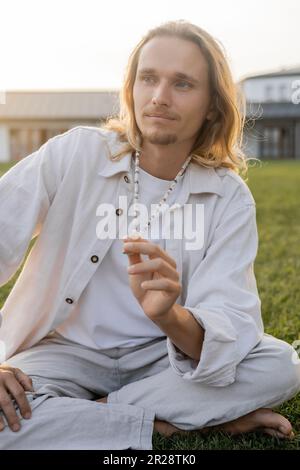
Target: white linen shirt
[54, 194]
[107, 315]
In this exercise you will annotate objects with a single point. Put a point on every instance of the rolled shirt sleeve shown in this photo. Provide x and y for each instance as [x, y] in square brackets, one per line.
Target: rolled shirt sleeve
[222, 296]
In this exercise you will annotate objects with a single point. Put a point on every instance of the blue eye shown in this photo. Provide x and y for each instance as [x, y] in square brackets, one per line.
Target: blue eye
[146, 78]
[185, 83]
[150, 79]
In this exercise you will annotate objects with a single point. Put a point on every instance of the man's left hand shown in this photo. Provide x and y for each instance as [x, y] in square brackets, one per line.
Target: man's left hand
[155, 281]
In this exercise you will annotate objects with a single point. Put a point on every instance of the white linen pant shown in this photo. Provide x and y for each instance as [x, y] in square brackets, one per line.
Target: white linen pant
[141, 386]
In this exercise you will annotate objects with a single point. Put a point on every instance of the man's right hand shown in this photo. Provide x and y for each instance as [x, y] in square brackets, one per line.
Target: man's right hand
[13, 384]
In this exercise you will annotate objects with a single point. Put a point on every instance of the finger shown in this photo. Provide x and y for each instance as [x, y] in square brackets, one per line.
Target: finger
[155, 265]
[2, 425]
[9, 411]
[18, 393]
[161, 284]
[150, 249]
[24, 380]
[133, 258]
[128, 239]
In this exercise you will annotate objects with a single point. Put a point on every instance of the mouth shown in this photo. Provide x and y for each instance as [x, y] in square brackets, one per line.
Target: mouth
[160, 118]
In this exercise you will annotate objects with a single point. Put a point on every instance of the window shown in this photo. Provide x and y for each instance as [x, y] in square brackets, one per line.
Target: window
[269, 93]
[283, 93]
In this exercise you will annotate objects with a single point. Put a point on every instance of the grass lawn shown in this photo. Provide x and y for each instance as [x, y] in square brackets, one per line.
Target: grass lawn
[276, 189]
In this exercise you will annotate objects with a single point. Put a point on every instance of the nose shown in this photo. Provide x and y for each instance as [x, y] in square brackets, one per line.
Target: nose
[161, 95]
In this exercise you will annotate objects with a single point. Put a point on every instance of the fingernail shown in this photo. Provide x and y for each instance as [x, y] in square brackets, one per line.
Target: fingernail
[16, 427]
[27, 415]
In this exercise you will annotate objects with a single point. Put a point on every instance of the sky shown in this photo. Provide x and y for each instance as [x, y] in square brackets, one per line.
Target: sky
[73, 44]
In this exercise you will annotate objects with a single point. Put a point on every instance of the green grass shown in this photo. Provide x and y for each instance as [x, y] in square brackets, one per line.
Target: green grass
[5, 167]
[276, 189]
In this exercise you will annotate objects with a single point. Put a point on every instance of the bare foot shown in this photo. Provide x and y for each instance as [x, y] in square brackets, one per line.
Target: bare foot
[263, 419]
[102, 400]
[167, 429]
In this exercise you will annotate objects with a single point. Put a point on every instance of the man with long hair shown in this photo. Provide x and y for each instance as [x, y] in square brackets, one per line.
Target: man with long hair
[100, 349]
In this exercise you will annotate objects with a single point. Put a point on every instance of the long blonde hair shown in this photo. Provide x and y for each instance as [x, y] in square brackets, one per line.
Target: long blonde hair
[219, 141]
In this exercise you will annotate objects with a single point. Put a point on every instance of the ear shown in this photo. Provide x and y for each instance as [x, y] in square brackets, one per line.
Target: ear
[210, 115]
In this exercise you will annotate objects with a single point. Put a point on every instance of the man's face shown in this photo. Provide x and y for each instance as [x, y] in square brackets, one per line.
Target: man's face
[185, 100]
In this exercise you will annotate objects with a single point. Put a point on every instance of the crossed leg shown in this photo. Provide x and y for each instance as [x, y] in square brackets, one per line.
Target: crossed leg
[264, 420]
[267, 377]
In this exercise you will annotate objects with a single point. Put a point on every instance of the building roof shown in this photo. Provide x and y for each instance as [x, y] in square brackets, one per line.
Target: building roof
[288, 71]
[273, 111]
[59, 104]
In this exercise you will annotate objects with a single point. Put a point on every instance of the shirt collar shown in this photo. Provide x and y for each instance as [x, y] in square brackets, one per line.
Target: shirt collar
[110, 168]
[200, 178]
[204, 180]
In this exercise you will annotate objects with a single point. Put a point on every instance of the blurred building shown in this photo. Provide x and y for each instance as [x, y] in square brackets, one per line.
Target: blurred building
[30, 118]
[273, 115]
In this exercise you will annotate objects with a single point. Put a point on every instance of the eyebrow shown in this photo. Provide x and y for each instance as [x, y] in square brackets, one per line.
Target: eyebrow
[181, 75]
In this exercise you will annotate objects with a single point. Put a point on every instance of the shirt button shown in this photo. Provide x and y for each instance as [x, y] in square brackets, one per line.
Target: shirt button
[69, 301]
[94, 259]
[119, 211]
[126, 179]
